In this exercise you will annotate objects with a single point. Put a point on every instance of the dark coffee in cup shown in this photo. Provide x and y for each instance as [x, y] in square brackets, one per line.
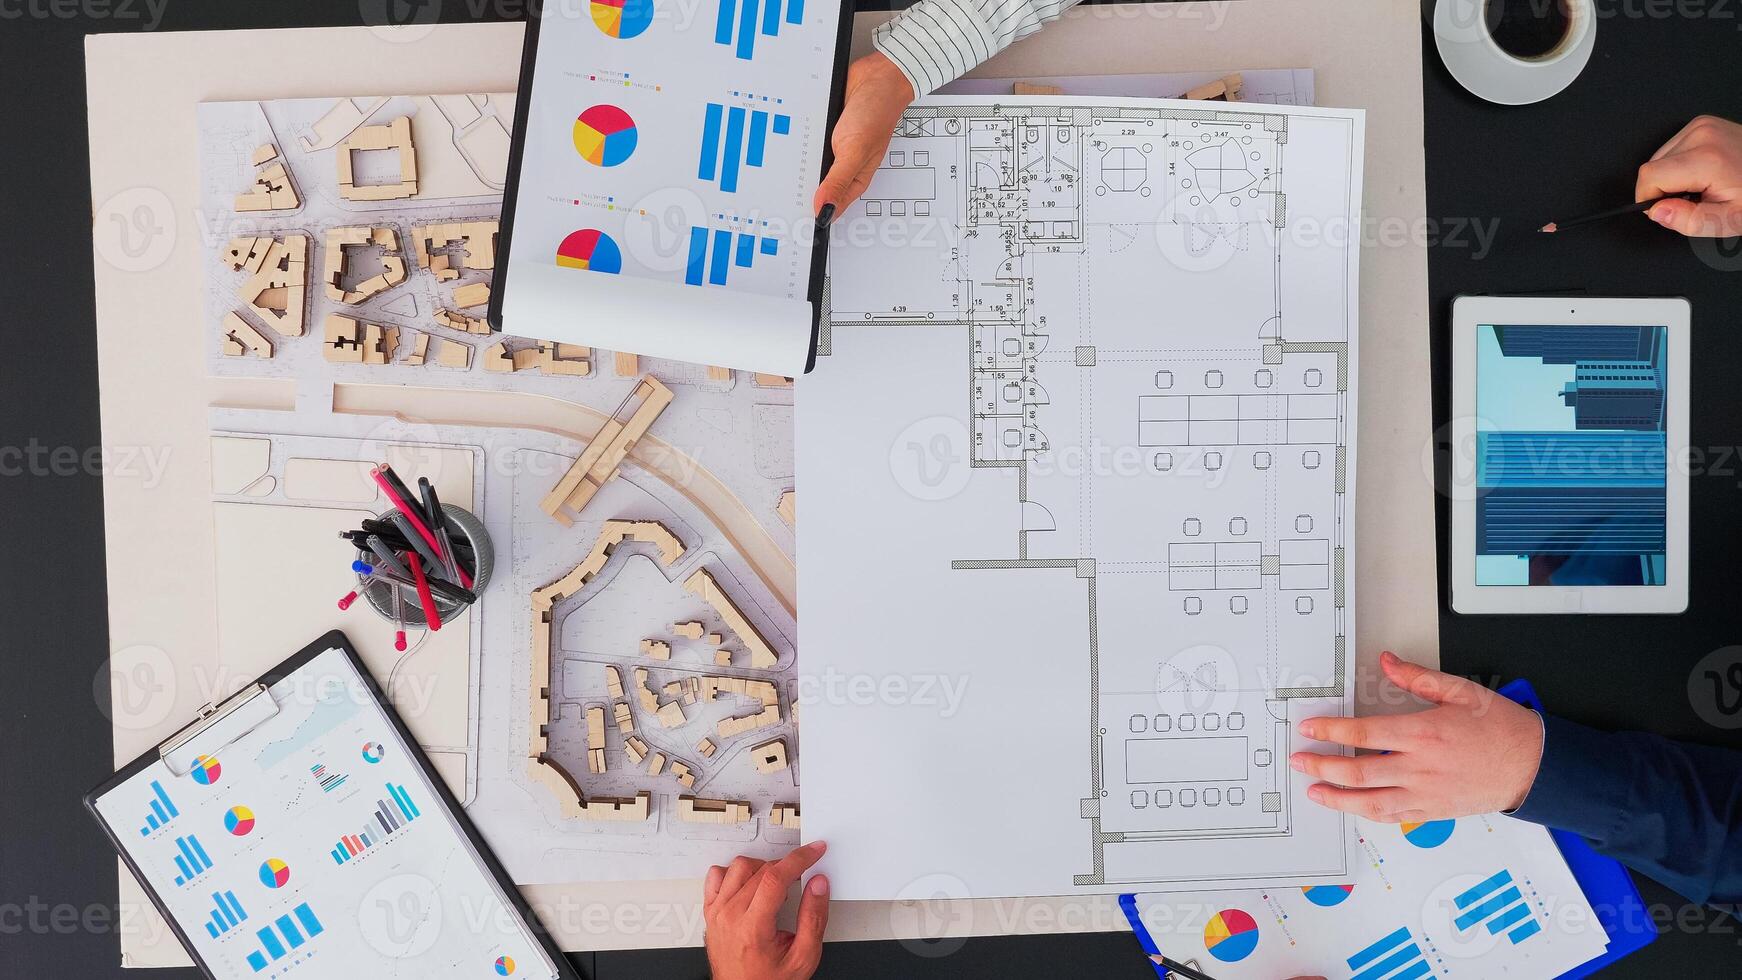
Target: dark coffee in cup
[1528, 29]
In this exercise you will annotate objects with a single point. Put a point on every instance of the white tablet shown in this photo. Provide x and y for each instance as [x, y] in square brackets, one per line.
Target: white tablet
[1569, 432]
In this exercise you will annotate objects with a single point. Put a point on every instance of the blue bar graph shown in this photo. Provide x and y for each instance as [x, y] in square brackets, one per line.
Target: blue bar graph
[736, 23]
[382, 816]
[1477, 892]
[734, 149]
[274, 948]
[758, 137]
[734, 138]
[1398, 952]
[226, 914]
[710, 141]
[192, 860]
[712, 263]
[162, 810]
[698, 257]
[723, 23]
[1508, 918]
[717, 264]
[306, 916]
[269, 939]
[404, 800]
[747, 28]
[1497, 903]
[292, 934]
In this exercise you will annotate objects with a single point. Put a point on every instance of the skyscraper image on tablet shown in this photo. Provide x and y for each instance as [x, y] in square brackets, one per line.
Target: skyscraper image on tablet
[1571, 455]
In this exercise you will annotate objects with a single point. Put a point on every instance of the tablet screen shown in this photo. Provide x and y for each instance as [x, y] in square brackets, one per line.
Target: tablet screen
[1570, 455]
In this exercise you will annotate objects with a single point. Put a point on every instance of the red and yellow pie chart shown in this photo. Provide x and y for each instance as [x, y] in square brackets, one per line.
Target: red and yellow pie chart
[590, 249]
[1231, 935]
[605, 135]
[274, 873]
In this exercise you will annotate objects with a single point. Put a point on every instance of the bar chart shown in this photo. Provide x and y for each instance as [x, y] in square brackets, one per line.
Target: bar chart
[1498, 905]
[162, 810]
[1397, 956]
[739, 22]
[714, 253]
[328, 779]
[227, 913]
[383, 823]
[284, 936]
[192, 861]
[734, 138]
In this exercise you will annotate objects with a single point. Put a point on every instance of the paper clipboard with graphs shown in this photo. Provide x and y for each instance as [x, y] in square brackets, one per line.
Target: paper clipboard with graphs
[295, 830]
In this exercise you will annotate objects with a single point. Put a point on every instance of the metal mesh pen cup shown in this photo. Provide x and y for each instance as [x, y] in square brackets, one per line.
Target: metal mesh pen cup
[380, 592]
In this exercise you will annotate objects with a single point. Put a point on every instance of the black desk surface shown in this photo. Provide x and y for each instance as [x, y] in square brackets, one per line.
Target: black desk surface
[1657, 64]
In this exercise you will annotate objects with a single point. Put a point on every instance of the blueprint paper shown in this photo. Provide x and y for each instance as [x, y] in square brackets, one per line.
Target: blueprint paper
[1080, 450]
[1275, 86]
[1484, 896]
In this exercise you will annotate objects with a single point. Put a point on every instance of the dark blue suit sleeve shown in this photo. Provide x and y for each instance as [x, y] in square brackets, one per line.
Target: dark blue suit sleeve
[1669, 810]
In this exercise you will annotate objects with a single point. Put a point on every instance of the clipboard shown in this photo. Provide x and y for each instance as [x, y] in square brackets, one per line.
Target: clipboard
[1605, 881]
[816, 287]
[258, 927]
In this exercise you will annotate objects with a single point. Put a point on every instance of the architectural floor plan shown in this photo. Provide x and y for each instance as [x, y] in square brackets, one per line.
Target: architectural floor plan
[618, 705]
[1083, 438]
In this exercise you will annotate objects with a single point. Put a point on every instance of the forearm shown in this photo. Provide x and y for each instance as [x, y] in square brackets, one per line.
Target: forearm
[935, 42]
[1669, 810]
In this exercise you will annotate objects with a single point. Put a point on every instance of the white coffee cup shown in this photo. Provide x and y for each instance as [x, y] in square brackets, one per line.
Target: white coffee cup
[1466, 44]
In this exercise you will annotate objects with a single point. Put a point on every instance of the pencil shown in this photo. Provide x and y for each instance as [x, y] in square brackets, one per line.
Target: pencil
[1635, 208]
[1178, 969]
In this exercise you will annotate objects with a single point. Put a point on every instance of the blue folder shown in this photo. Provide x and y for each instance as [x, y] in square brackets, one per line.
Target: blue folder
[1607, 885]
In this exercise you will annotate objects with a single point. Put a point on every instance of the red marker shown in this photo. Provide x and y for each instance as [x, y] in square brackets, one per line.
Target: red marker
[410, 511]
[430, 616]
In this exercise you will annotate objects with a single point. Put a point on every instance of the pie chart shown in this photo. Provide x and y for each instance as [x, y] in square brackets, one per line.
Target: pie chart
[1231, 935]
[372, 752]
[206, 770]
[590, 249]
[504, 966]
[274, 873]
[239, 820]
[1327, 896]
[1430, 834]
[605, 135]
[622, 19]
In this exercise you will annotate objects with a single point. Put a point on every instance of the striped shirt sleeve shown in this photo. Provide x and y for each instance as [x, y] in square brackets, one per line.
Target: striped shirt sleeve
[935, 42]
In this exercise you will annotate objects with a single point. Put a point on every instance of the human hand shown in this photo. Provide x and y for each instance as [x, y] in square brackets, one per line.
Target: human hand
[739, 903]
[877, 93]
[1704, 158]
[1475, 752]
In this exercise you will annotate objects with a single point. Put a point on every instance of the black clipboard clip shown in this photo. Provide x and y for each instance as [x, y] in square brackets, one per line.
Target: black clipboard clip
[217, 726]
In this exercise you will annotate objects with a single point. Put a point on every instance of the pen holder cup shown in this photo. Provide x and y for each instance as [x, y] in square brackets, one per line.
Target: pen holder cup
[380, 592]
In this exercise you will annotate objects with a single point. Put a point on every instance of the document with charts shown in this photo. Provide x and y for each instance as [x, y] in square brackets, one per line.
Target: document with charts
[1483, 895]
[1081, 451]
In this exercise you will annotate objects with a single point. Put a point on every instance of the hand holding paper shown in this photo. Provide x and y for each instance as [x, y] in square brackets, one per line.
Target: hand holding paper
[1474, 752]
[740, 903]
[877, 93]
